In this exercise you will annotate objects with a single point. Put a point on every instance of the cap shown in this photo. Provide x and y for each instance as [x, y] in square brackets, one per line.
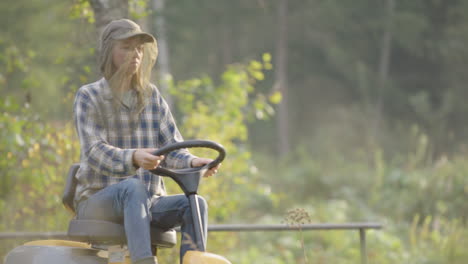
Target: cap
[123, 29]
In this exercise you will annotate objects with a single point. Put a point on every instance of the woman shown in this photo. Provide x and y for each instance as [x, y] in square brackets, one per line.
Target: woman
[121, 119]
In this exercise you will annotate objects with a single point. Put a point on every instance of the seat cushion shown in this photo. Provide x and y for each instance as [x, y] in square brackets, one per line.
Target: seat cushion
[105, 232]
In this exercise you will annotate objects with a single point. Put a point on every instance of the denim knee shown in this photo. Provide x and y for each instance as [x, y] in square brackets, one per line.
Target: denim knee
[133, 189]
[133, 185]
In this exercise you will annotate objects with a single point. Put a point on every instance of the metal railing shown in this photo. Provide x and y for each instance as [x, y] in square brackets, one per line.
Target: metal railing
[360, 227]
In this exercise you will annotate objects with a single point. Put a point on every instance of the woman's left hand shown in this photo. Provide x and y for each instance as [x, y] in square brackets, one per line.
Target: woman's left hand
[198, 162]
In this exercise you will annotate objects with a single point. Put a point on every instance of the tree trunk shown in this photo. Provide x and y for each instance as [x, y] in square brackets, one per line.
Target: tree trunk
[281, 78]
[107, 10]
[384, 65]
[159, 30]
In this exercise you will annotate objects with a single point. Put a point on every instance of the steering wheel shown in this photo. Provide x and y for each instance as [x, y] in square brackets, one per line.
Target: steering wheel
[189, 184]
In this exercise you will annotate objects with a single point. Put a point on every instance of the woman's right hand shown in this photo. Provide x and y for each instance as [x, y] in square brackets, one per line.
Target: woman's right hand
[142, 158]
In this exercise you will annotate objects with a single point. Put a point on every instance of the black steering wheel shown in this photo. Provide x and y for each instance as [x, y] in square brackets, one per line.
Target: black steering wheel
[189, 184]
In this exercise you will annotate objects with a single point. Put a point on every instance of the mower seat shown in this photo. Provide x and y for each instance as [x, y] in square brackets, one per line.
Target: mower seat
[104, 232]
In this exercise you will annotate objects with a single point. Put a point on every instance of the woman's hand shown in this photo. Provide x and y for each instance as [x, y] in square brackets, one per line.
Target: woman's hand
[198, 162]
[142, 158]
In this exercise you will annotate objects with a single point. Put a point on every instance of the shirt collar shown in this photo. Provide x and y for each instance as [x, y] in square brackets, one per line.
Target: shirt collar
[105, 89]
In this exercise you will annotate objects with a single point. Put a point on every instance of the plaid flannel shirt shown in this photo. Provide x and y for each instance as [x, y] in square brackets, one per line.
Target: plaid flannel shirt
[109, 137]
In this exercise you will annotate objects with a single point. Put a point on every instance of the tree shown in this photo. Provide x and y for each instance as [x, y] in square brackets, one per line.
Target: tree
[106, 11]
[384, 64]
[281, 78]
[159, 27]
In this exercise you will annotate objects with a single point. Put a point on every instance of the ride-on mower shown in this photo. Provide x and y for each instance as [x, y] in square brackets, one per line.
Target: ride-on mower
[103, 242]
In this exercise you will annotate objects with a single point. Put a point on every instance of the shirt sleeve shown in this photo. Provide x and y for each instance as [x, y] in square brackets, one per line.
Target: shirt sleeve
[95, 151]
[168, 134]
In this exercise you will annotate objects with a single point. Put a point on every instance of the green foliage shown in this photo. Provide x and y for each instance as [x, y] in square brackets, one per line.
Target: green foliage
[44, 54]
[82, 9]
[35, 160]
[221, 112]
[33, 173]
[139, 8]
[422, 205]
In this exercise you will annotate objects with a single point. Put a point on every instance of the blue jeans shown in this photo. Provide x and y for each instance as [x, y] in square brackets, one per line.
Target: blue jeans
[129, 202]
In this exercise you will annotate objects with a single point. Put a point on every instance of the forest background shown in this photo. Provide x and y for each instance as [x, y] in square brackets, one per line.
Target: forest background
[348, 110]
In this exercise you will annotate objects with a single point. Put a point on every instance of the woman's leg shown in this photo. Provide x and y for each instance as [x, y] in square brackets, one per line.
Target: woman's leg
[125, 202]
[174, 210]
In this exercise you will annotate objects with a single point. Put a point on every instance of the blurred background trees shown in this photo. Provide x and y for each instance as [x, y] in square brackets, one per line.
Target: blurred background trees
[369, 124]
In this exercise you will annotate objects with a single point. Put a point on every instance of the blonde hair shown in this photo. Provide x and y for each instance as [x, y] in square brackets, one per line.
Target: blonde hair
[118, 77]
